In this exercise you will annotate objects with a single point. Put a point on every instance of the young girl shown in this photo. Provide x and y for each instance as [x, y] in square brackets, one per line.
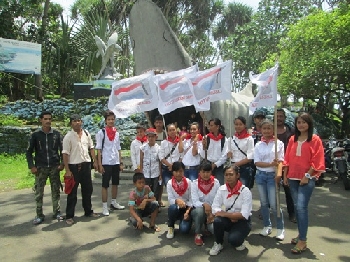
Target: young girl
[203, 191]
[266, 177]
[191, 158]
[241, 150]
[304, 162]
[215, 143]
[234, 218]
[179, 198]
[139, 140]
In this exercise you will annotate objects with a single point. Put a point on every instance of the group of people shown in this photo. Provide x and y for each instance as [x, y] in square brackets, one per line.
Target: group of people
[207, 178]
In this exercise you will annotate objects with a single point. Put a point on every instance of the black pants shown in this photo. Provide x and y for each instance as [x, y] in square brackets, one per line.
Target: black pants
[289, 201]
[153, 183]
[82, 176]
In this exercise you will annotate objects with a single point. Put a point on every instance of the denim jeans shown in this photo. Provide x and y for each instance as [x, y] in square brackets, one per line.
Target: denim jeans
[166, 175]
[237, 231]
[245, 173]
[301, 197]
[267, 191]
[191, 174]
[199, 218]
[176, 213]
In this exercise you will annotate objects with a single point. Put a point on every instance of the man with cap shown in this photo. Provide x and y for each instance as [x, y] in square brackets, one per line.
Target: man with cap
[46, 144]
[76, 147]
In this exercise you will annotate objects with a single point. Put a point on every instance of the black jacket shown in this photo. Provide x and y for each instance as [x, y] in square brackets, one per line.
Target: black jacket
[47, 149]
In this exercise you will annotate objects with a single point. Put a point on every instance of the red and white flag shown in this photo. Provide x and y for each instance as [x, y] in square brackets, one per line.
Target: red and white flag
[133, 95]
[174, 90]
[267, 89]
[211, 85]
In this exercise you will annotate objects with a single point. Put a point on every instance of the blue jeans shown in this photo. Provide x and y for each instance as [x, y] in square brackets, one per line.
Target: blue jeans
[191, 174]
[166, 175]
[176, 213]
[199, 218]
[245, 173]
[267, 192]
[301, 197]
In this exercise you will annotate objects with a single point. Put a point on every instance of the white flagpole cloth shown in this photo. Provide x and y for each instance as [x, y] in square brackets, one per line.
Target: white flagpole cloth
[133, 95]
[267, 89]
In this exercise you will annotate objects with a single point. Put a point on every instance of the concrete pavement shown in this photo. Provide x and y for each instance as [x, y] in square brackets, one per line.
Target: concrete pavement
[112, 238]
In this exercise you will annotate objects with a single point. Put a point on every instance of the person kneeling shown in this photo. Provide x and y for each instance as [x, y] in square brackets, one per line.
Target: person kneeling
[179, 197]
[142, 203]
[235, 219]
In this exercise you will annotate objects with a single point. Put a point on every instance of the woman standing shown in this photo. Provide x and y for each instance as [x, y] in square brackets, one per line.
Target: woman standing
[241, 150]
[215, 145]
[266, 177]
[304, 162]
[191, 158]
[234, 218]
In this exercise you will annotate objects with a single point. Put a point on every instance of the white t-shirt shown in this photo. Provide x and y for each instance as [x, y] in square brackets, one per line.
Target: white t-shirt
[151, 168]
[110, 151]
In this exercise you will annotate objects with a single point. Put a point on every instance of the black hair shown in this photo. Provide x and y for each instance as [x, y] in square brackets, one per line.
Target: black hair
[171, 124]
[281, 110]
[205, 166]
[45, 113]
[308, 119]
[108, 113]
[217, 122]
[177, 166]
[137, 176]
[139, 126]
[242, 119]
[233, 167]
[158, 118]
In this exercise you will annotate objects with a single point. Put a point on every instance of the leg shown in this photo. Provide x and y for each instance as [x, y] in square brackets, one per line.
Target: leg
[289, 202]
[198, 217]
[166, 175]
[271, 191]
[86, 188]
[152, 209]
[115, 174]
[245, 175]
[72, 197]
[40, 181]
[261, 181]
[106, 177]
[184, 225]
[55, 183]
[221, 224]
[239, 231]
[173, 215]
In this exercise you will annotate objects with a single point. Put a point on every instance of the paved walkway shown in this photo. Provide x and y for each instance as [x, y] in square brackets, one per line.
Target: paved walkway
[111, 238]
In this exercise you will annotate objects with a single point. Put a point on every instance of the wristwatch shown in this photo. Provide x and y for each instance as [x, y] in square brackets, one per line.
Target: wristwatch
[307, 175]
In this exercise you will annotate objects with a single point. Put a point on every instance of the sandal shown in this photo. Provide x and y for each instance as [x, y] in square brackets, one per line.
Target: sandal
[155, 228]
[296, 250]
[69, 221]
[294, 241]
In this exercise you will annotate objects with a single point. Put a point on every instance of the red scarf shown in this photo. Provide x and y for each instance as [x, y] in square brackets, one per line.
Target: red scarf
[111, 131]
[142, 139]
[205, 185]
[235, 190]
[200, 137]
[215, 138]
[267, 141]
[243, 134]
[180, 188]
[174, 141]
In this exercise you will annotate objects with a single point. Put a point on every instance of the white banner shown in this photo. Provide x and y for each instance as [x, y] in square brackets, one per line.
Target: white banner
[133, 95]
[211, 85]
[267, 89]
[174, 90]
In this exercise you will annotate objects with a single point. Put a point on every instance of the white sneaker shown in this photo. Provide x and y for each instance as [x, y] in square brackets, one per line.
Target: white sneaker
[280, 234]
[117, 206]
[266, 231]
[170, 233]
[105, 211]
[215, 249]
[241, 247]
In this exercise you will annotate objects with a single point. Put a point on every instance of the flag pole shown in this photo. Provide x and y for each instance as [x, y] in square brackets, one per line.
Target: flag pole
[278, 204]
[204, 135]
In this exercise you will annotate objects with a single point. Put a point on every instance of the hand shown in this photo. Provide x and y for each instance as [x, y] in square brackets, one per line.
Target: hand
[210, 218]
[183, 136]
[204, 142]
[34, 170]
[229, 154]
[195, 140]
[304, 181]
[121, 167]
[60, 167]
[68, 174]
[220, 214]
[275, 162]
[101, 169]
[278, 179]
[180, 203]
[170, 167]
[187, 215]
[213, 166]
[139, 224]
[143, 204]
[285, 181]
[95, 166]
[207, 208]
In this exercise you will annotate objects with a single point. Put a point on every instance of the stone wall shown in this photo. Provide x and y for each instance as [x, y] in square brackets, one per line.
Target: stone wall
[14, 140]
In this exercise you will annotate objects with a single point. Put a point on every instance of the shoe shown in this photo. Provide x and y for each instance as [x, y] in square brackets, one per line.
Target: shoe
[294, 241]
[265, 231]
[241, 247]
[59, 217]
[69, 221]
[280, 234]
[105, 211]
[296, 250]
[292, 219]
[170, 233]
[117, 206]
[38, 220]
[198, 240]
[215, 249]
[95, 215]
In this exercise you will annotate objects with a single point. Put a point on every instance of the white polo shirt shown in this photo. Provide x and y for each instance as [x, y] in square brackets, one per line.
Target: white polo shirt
[77, 147]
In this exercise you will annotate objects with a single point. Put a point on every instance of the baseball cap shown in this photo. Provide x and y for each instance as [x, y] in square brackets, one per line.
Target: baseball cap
[69, 183]
[259, 113]
[151, 131]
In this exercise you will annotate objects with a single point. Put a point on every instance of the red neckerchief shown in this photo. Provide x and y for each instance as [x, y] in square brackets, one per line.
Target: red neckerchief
[243, 134]
[205, 185]
[267, 141]
[142, 139]
[111, 131]
[215, 138]
[200, 137]
[235, 190]
[180, 188]
[174, 141]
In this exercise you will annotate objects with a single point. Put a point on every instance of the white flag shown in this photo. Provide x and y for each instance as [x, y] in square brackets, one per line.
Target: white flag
[267, 89]
[133, 95]
[174, 90]
[211, 85]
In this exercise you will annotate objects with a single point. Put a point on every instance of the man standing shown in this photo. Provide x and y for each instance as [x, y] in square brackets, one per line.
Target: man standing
[46, 144]
[77, 162]
[284, 132]
[109, 161]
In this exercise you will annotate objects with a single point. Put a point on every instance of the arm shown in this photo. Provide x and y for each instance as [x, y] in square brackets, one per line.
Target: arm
[223, 157]
[133, 155]
[121, 166]
[181, 143]
[60, 147]
[66, 165]
[194, 195]
[29, 154]
[170, 191]
[141, 160]
[99, 161]
[250, 153]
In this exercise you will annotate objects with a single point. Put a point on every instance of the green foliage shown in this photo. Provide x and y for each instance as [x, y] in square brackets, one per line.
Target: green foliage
[9, 120]
[14, 172]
